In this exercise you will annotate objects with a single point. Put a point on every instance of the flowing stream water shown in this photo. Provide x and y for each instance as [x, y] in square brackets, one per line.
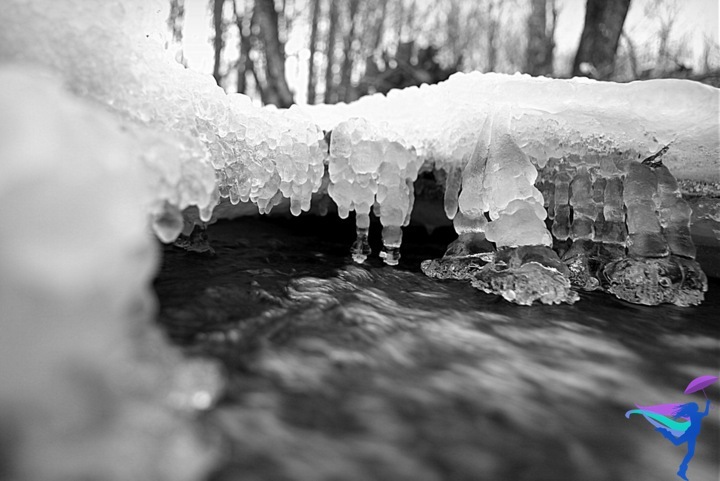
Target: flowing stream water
[345, 372]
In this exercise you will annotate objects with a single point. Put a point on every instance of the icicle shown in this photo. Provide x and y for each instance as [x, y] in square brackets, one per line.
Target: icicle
[452, 191]
[411, 201]
[644, 230]
[234, 194]
[207, 210]
[168, 224]
[584, 209]
[392, 238]
[361, 248]
[561, 223]
[674, 214]
[615, 231]
[295, 206]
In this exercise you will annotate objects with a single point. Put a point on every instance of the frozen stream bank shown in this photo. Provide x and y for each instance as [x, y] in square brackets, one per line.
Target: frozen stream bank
[107, 145]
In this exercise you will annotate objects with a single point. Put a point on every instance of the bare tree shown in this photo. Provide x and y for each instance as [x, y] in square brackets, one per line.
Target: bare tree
[244, 64]
[604, 20]
[492, 28]
[663, 54]
[218, 41]
[348, 57]
[176, 19]
[454, 30]
[379, 26]
[665, 12]
[386, 43]
[710, 54]
[541, 33]
[710, 62]
[632, 55]
[276, 90]
[330, 94]
[312, 81]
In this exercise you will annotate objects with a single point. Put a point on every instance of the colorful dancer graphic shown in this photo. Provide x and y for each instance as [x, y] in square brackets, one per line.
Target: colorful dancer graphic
[679, 423]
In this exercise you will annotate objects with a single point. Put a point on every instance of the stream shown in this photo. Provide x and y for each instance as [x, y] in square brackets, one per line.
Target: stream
[339, 371]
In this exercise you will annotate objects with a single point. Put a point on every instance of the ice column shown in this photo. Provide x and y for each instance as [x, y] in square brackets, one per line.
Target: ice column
[547, 189]
[562, 210]
[614, 230]
[640, 196]
[598, 197]
[658, 225]
[583, 206]
[675, 214]
[453, 182]
[370, 166]
[264, 155]
[514, 203]
[589, 229]
[470, 221]
[580, 214]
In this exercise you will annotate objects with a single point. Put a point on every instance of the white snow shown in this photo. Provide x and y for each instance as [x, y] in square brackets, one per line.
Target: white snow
[116, 56]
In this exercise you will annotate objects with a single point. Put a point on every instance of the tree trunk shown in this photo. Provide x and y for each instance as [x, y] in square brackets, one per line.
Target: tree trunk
[244, 63]
[347, 64]
[604, 21]
[312, 81]
[380, 27]
[329, 74]
[491, 34]
[176, 19]
[632, 54]
[453, 30]
[218, 42]
[276, 89]
[399, 20]
[663, 57]
[539, 54]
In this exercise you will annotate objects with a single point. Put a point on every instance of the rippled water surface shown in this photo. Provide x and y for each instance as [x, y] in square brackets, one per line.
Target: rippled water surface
[345, 372]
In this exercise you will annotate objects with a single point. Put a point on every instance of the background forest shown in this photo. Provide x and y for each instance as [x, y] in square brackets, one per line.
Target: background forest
[338, 50]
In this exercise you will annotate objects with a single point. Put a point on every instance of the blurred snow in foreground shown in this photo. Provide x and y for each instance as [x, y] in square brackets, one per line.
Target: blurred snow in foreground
[86, 383]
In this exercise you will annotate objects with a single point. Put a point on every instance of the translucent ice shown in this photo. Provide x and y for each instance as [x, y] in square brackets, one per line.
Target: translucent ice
[371, 166]
[550, 117]
[674, 213]
[584, 208]
[493, 130]
[452, 191]
[595, 133]
[525, 275]
[488, 133]
[612, 200]
[624, 214]
[650, 281]
[640, 197]
[258, 155]
[612, 225]
[518, 225]
[562, 210]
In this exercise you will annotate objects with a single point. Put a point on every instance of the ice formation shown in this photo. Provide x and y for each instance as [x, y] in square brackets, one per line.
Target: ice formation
[528, 163]
[490, 134]
[141, 143]
[214, 144]
[370, 167]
